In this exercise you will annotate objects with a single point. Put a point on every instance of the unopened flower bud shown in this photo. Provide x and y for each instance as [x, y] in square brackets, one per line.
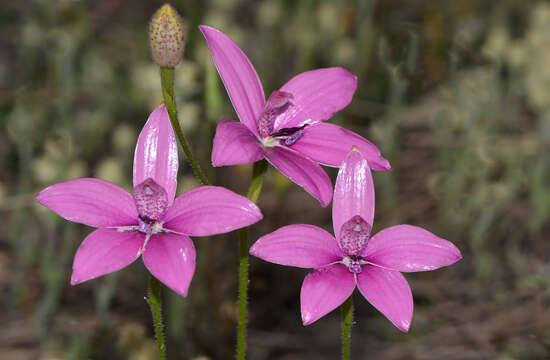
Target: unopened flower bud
[167, 36]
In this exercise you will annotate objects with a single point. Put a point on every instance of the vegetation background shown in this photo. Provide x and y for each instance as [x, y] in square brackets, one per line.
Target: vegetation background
[455, 93]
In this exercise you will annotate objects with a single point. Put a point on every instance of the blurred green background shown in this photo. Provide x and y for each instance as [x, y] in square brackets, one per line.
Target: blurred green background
[455, 93]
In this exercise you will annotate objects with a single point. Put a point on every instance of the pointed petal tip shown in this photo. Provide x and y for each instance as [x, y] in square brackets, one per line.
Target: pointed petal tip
[39, 197]
[254, 249]
[206, 28]
[76, 279]
[378, 163]
[382, 165]
[325, 202]
[307, 319]
[404, 326]
[457, 254]
[182, 292]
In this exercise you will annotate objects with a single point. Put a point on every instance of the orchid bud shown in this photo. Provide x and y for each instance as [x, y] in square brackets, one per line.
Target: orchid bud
[167, 36]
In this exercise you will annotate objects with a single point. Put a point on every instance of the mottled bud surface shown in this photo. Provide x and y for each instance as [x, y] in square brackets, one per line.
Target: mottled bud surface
[166, 36]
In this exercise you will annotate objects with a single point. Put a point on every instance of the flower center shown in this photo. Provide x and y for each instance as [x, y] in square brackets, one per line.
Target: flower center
[354, 263]
[277, 104]
[149, 226]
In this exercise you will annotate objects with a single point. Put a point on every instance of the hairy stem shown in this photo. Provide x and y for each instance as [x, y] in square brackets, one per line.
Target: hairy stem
[347, 321]
[154, 301]
[167, 82]
[258, 173]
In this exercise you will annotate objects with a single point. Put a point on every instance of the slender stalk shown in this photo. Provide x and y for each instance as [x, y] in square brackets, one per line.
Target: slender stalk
[154, 301]
[347, 321]
[258, 173]
[167, 82]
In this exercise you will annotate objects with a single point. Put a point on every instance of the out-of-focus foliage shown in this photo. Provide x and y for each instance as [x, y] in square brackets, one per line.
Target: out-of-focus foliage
[456, 94]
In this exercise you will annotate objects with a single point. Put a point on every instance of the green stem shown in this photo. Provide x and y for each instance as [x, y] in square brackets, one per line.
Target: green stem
[347, 321]
[258, 173]
[154, 302]
[167, 82]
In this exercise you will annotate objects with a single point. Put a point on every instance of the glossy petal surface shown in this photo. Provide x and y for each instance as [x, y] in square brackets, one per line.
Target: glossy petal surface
[323, 290]
[238, 75]
[171, 259]
[235, 144]
[318, 94]
[299, 245]
[303, 172]
[156, 154]
[105, 251]
[389, 292]
[354, 192]
[329, 144]
[210, 210]
[410, 248]
[93, 202]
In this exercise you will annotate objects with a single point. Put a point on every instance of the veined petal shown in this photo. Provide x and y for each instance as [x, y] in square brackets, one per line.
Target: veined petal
[410, 248]
[89, 201]
[305, 246]
[354, 192]
[210, 210]
[238, 75]
[105, 251]
[303, 172]
[329, 144]
[156, 154]
[235, 144]
[171, 259]
[389, 292]
[324, 290]
[318, 94]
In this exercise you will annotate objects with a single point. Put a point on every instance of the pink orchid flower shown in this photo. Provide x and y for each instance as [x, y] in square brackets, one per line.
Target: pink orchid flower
[353, 258]
[288, 129]
[149, 223]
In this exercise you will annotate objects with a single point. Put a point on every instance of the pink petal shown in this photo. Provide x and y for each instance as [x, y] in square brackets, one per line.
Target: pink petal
[389, 292]
[210, 210]
[410, 248]
[171, 259]
[238, 75]
[151, 200]
[329, 144]
[156, 155]
[303, 172]
[354, 192]
[105, 251]
[318, 94]
[235, 144]
[324, 290]
[300, 245]
[93, 202]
